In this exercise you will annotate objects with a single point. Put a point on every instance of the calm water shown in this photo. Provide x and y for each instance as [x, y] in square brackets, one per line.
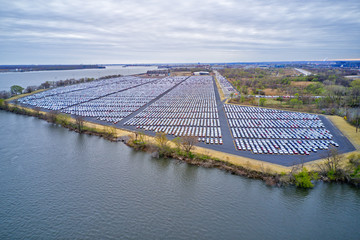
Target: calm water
[57, 184]
[25, 79]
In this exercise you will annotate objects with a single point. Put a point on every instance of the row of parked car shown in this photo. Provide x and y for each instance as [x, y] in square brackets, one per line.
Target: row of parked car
[58, 100]
[81, 86]
[229, 108]
[225, 84]
[177, 113]
[271, 131]
[255, 123]
[205, 132]
[211, 140]
[282, 133]
[203, 122]
[110, 102]
[255, 117]
[272, 115]
[271, 146]
[115, 107]
[187, 110]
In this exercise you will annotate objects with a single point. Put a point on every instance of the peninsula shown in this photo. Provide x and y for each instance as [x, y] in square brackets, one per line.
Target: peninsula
[195, 113]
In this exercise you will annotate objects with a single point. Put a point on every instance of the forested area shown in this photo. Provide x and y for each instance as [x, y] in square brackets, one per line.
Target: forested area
[325, 91]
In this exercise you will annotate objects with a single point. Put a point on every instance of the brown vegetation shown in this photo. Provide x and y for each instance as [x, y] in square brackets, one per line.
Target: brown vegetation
[273, 92]
[301, 83]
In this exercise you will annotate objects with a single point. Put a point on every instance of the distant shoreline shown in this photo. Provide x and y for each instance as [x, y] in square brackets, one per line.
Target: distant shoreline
[32, 68]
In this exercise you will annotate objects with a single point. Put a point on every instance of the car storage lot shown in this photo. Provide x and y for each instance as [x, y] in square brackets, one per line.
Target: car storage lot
[114, 107]
[270, 131]
[109, 100]
[298, 137]
[188, 110]
[182, 106]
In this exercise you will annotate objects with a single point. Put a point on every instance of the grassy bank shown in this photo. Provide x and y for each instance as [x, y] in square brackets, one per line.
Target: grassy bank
[201, 157]
[347, 129]
[198, 156]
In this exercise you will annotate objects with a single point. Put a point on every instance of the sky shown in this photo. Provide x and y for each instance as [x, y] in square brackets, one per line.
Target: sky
[183, 31]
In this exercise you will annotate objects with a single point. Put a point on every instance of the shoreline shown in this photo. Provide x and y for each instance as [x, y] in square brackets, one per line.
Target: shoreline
[272, 174]
[41, 68]
[213, 159]
[252, 164]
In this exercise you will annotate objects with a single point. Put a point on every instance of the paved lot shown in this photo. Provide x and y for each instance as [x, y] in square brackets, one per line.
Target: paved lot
[228, 141]
[285, 160]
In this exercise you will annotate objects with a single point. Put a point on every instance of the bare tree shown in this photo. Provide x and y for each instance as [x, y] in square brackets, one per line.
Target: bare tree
[79, 120]
[333, 159]
[188, 143]
[332, 162]
[177, 142]
[4, 94]
[37, 111]
[354, 160]
[51, 116]
[30, 89]
[161, 139]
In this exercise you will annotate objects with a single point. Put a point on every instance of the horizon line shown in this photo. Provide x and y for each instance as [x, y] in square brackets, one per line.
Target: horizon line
[200, 63]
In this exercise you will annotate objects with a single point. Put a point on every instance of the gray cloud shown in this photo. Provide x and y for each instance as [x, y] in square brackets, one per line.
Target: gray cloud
[70, 31]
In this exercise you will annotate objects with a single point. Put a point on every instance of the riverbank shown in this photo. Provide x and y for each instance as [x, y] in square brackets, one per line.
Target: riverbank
[201, 156]
[272, 174]
[45, 166]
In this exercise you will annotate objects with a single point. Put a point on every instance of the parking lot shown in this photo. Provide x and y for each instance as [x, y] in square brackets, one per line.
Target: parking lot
[108, 100]
[180, 106]
[188, 110]
[269, 131]
[226, 87]
[113, 108]
[99, 88]
[63, 97]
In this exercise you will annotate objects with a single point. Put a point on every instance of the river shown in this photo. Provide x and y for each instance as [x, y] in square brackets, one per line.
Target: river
[57, 184]
[25, 79]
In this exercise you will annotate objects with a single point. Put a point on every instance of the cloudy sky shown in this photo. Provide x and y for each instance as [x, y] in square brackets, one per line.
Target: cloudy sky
[159, 31]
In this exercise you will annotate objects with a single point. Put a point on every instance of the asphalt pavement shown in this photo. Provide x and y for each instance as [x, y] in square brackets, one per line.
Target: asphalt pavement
[228, 141]
[229, 146]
